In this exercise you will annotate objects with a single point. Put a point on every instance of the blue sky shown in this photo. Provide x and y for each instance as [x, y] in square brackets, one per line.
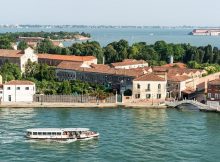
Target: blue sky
[111, 12]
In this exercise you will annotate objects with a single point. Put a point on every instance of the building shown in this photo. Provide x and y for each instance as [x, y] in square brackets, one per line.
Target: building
[18, 91]
[120, 79]
[18, 57]
[55, 60]
[129, 64]
[213, 93]
[150, 87]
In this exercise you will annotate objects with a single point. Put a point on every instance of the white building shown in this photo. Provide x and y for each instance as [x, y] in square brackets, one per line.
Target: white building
[18, 57]
[18, 91]
[149, 87]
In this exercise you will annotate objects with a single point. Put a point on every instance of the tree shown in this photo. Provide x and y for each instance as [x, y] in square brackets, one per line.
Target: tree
[22, 45]
[5, 43]
[10, 71]
[45, 46]
[65, 88]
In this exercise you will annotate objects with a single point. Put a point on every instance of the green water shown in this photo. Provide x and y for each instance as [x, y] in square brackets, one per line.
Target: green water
[125, 135]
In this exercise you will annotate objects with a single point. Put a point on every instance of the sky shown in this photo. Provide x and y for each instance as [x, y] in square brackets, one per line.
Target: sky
[111, 12]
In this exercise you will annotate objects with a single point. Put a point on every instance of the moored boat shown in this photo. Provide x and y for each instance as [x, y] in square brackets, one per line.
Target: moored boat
[61, 133]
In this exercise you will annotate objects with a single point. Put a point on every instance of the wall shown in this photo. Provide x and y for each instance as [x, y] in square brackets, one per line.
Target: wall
[21, 95]
[153, 89]
[28, 54]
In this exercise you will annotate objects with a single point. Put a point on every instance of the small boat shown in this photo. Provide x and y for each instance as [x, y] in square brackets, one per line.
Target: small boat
[61, 134]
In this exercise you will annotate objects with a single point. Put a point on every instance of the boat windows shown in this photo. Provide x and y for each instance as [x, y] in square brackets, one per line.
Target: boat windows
[35, 133]
[44, 133]
[58, 133]
[48, 133]
[39, 133]
[53, 133]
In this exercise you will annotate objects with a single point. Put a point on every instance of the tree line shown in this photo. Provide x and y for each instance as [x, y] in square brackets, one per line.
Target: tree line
[156, 54]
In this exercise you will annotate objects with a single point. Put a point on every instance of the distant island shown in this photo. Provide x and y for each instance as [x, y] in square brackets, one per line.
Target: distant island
[206, 32]
[61, 36]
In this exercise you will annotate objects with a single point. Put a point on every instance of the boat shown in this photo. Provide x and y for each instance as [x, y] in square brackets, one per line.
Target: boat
[61, 134]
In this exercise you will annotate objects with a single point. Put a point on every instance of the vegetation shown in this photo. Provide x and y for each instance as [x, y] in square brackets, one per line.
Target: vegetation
[44, 77]
[51, 35]
[22, 45]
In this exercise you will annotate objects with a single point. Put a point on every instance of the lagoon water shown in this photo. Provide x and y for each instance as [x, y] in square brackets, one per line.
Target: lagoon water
[125, 135]
[149, 35]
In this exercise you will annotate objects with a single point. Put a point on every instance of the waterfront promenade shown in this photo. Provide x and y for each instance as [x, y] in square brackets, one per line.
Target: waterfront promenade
[77, 105]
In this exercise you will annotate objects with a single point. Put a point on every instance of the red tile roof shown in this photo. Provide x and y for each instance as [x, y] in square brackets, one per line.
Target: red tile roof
[177, 78]
[100, 68]
[10, 53]
[214, 82]
[66, 57]
[178, 65]
[149, 77]
[128, 62]
[70, 65]
[19, 82]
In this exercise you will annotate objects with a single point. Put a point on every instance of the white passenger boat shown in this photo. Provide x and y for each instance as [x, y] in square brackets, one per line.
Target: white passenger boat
[61, 133]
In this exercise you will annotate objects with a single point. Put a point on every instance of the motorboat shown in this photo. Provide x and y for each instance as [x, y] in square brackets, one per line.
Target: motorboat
[61, 133]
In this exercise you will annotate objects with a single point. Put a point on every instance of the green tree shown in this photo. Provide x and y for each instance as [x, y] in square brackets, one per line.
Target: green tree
[5, 43]
[10, 71]
[22, 45]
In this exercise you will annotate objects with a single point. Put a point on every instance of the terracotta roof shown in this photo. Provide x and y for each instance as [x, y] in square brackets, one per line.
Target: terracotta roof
[176, 70]
[178, 64]
[177, 78]
[100, 66]
[70, 65]
[66, 57]
[105, 69]
[19, 82]
[214, 82]
[149, 77]
[128, 62]
[10, 53]
[189, 91]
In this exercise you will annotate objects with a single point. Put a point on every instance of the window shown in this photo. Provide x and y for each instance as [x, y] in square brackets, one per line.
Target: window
[138, 86]
[216, 96]
[35, 133]
[48, 133]
[159, 86]
[53, 133]
[44, 133]
[148, 95]
[58, 133]
[39, 133]
[0, 92]
[8, 88]
[26, 88]
[148, 87]
[158, 96]
[18, 88]
[137, 96]
[209, 95]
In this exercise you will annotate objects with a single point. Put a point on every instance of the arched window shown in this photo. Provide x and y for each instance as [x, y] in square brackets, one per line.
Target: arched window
[159, 86]
[148, 87]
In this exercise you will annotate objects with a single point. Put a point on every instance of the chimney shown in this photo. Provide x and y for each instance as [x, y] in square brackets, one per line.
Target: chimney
[103, 60]
[171, 59]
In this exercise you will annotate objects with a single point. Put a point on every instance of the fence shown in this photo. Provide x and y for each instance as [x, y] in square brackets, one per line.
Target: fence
[73, 99]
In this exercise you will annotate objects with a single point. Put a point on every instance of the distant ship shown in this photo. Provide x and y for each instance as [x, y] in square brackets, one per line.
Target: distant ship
[205, 32]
